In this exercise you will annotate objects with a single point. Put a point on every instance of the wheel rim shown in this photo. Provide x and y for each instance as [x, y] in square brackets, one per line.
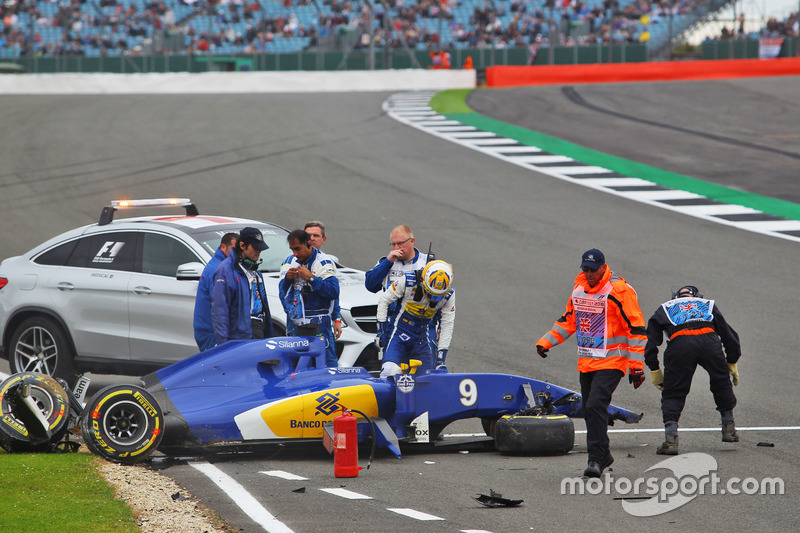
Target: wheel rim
[36, 351]
[125, 423]
[42, 400]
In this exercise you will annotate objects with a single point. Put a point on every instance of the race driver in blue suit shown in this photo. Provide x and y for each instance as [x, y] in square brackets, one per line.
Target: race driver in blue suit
[308, 290]
[419, 303]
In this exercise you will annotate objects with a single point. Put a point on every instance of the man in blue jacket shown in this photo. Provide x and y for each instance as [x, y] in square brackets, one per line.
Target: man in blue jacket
[239, 300]
[308, 290]
[203, 329]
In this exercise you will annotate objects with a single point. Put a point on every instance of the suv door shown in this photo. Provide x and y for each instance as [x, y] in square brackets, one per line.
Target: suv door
[90, 293]
[161, 307]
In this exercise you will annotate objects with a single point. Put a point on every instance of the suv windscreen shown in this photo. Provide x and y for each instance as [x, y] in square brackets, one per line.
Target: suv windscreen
[271, 258]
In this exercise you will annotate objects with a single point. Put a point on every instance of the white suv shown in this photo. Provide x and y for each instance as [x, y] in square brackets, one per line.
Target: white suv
[118, 296]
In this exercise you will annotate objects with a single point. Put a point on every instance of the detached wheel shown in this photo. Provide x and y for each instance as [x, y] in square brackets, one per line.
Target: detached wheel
[52, 401]
[122, 423]
[534, 435]
[39, 344]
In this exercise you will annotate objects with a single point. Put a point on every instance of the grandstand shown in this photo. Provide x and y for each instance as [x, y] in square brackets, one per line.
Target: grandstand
[223, 27]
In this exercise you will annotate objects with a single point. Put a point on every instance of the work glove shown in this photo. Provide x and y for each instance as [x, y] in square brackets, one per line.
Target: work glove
[636, 377]
[657, 378]
[440, 357]
[542, 351]
[733, 370]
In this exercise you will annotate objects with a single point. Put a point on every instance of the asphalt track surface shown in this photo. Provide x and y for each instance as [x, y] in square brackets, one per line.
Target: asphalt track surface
[514, 238]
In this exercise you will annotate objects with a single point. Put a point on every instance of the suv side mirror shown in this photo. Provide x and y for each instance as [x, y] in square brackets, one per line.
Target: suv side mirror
[190, 271]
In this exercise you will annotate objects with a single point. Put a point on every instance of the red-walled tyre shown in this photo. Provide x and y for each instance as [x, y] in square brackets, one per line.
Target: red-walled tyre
[534, 435]
[122, 423]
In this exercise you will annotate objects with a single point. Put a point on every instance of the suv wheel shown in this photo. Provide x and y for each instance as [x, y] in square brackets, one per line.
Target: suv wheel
[40, 345]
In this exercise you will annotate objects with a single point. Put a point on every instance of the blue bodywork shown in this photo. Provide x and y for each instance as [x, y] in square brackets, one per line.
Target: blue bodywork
[225, 395]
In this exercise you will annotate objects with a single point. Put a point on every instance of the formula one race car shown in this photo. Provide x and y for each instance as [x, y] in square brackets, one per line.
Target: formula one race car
[278, 390]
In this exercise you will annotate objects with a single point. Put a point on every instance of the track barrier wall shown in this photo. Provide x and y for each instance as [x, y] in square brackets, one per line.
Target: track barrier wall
[238, 82]
[510, 76]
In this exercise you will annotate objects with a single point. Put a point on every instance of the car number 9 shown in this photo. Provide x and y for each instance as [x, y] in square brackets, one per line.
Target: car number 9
[469, 392]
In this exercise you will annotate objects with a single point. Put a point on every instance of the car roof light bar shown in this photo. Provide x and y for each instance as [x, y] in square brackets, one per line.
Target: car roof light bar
[107, 215]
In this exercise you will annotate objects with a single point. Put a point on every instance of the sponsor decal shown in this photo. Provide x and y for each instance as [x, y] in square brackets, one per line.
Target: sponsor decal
[108, 252]
[144, 403]
[327, 404]
[299, 343]
[405, 383]
[304, 416]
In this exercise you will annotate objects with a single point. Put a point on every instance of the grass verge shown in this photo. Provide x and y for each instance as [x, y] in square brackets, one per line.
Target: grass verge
[58, 492]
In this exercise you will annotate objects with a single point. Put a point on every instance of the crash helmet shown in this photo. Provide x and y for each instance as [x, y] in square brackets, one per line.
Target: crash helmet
[687, 291]
[437, 277]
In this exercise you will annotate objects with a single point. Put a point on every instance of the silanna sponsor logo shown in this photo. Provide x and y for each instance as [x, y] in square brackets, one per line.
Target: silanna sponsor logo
[299, 343]
[333, 371]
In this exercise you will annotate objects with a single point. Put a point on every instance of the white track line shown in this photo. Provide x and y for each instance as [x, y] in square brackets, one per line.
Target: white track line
[653, 430]
[410, 109]
[283, 475]
[249, 505]
[691, 430]
[418, 515]
[349, 494]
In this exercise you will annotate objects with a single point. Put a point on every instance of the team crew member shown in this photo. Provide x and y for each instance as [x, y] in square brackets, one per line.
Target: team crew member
[203, 328]
[694, 327]
[308, 290]
[316, 238]
[419, 304]
[604, 312]
[239, 308]
[403, 259]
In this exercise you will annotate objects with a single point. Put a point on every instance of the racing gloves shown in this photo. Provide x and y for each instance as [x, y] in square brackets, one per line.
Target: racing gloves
[733, 370]
[657, 378]
[542, 351]
[636, 377]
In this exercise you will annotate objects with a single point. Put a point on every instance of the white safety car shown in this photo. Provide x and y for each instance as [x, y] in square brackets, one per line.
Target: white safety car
[118, 296]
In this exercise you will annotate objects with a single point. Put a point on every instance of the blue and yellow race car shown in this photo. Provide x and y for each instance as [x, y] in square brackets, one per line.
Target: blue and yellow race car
[246, 393]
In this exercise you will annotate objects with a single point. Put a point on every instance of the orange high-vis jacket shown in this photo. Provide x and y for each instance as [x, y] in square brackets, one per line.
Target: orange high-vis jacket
[623, 331]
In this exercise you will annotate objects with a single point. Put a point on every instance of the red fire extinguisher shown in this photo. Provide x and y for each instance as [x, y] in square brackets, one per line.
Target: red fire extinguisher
[345, 445]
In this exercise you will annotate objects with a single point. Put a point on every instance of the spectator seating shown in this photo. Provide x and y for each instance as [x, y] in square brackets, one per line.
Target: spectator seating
[114, 27]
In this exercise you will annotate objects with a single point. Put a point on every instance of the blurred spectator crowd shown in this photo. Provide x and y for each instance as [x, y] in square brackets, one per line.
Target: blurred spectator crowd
[117, 27]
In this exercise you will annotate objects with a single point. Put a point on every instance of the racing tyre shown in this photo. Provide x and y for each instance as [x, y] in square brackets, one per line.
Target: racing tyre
[39, 344]
[122, 423]
[534, 435]
[489, 424]
[49, 396]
